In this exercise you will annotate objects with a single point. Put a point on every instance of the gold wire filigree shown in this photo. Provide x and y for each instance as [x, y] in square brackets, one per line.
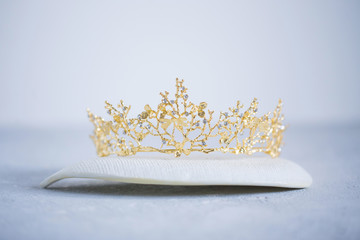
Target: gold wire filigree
[179, 118]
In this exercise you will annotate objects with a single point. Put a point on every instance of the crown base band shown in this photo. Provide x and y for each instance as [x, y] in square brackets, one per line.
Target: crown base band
[178, 153]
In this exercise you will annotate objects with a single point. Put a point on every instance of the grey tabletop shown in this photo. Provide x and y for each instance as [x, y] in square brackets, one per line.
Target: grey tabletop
[94, 209]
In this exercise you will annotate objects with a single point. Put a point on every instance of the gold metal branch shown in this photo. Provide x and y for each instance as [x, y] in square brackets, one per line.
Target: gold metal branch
[184, 127]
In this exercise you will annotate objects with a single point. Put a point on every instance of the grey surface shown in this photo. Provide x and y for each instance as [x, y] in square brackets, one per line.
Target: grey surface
[92, 209]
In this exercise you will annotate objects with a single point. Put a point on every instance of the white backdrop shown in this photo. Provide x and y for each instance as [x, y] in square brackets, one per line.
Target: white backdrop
[59, 57]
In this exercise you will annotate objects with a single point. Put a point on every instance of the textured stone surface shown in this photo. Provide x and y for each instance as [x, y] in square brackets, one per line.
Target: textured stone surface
[93, 209]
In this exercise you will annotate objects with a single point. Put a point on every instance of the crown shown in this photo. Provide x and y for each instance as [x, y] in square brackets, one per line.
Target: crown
[184, 127]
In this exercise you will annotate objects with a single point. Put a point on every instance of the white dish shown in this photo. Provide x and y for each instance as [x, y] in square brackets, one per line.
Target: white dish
[224, 170]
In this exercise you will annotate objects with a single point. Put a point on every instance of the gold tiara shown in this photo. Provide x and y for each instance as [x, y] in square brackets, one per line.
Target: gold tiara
[184, 127]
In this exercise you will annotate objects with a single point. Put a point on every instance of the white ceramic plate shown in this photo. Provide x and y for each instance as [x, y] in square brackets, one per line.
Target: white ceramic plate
[245, 171]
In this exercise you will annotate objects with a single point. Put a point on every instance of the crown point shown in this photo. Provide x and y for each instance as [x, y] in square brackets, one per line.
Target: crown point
[147, 107]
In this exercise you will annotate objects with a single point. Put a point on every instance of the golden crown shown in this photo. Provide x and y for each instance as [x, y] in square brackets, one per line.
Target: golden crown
[184, 127]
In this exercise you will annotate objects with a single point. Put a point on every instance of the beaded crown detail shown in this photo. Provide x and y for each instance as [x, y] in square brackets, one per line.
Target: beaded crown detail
[184, 127]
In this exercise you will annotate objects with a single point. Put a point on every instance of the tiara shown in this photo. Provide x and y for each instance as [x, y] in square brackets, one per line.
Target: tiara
[182, 127]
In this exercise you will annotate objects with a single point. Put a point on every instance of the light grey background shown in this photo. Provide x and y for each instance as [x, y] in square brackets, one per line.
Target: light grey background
[59, 57]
